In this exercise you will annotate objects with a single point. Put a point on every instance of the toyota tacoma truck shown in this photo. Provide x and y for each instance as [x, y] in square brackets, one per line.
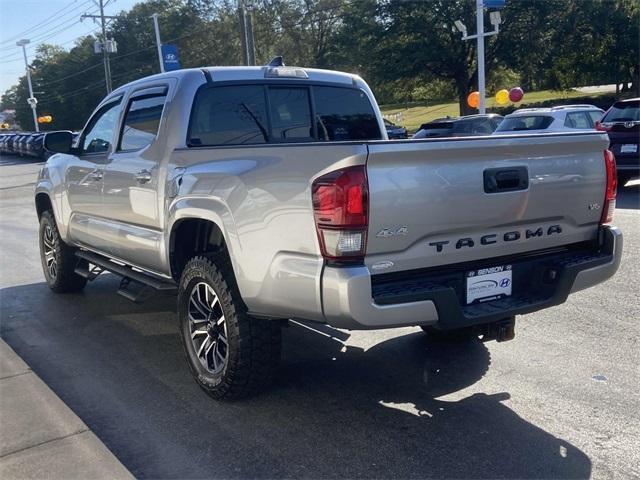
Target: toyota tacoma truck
[262, 194]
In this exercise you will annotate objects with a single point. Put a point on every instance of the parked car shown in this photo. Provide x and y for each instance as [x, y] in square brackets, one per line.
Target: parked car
[563, 118]
[470, 125]
[262, 194]
[3, 142]
[8, 144]
[622, 123]
[394, 131]
[37, 145]
[22, 144]
[28, 144]
[17, 144]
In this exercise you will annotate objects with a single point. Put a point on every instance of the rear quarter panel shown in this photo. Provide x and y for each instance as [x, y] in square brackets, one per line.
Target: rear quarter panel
[260, 197]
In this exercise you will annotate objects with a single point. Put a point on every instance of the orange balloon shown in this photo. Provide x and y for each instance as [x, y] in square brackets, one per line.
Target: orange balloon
[473, 100]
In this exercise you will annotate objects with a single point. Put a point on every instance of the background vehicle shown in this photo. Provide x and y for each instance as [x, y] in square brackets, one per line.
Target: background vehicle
[268, 193]
[548, 120]
[470, 125]
[394, 131]
[37, 145]
[19, 144]
[622, 123]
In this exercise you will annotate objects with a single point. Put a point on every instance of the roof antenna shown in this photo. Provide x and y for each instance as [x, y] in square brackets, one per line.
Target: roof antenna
[276, 62]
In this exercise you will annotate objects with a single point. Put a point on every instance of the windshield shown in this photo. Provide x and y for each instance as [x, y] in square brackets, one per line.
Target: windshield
[524, 122]
[623, 112]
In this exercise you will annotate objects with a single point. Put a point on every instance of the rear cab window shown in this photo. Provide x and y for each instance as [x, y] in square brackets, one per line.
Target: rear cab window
[525, 122]
[280, 113]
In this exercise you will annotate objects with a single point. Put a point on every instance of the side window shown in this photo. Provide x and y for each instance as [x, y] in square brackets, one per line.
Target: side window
[344, 114]
[290, 113]
[594, 115]
[232, 115]
[578, 120]
[141, 121]
[99, 132]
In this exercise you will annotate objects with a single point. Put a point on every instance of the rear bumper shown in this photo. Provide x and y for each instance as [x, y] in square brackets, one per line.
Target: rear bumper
[354, 299]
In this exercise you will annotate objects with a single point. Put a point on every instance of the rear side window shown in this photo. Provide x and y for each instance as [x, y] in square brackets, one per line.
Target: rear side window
[523, 123]
[623, 112]
[232, 115]
[578, 120]
[594, 115]
[344, 114]
[141, 121]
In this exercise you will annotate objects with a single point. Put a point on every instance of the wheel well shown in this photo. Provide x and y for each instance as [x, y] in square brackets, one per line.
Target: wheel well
[191, 237]
[43, 203]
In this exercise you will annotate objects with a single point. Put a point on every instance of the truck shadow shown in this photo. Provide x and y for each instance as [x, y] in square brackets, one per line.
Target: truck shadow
[628, 196]
[396, 409]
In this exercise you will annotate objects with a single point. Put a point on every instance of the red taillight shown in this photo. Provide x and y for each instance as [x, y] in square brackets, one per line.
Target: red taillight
[612, 186]
[602, 127]
[340, 208]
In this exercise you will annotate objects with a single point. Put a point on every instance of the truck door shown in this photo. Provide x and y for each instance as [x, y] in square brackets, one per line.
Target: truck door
[132, 190]
[85, 176]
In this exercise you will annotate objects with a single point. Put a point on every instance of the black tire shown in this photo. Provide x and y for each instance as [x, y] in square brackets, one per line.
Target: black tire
[251, 346]
[61, 278]
[455, 335]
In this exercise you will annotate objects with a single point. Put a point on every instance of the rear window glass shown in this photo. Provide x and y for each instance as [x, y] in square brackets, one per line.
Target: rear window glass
[344, 114]
[290, 114]
[623, 112]
[232, 115]
[523, 123]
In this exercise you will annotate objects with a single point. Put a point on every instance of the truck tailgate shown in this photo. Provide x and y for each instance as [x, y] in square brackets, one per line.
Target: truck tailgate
[440, 202]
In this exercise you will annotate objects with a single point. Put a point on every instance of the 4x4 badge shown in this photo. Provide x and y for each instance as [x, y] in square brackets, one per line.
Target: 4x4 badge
[390, 232]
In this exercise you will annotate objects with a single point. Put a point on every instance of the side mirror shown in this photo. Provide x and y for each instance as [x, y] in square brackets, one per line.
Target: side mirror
[59, 142]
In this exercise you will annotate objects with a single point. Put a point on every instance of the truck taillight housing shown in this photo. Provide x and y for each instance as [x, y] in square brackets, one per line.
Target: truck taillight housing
[609, 205]
[341, 213]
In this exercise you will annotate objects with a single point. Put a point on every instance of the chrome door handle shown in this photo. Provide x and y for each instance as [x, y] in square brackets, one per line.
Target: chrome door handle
[96, 175]
[143, 176]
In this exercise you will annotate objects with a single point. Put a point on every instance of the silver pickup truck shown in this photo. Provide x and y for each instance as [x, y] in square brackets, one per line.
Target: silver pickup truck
[262, 194]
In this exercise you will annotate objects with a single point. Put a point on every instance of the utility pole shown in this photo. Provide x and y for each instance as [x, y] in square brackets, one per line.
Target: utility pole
[31, 100]
[158, 42]
[246, 30]
[107, 46]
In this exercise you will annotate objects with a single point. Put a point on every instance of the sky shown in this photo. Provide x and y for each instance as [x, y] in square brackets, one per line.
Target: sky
[55, 22]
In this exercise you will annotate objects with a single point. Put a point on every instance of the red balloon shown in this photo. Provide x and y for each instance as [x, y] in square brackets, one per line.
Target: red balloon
[516, 94]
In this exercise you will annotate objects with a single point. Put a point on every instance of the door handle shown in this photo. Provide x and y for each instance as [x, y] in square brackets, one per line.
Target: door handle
[143, 176]
[497, 180]
[96, 175]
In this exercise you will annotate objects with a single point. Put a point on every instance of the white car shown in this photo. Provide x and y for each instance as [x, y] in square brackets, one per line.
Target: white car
[566, 118]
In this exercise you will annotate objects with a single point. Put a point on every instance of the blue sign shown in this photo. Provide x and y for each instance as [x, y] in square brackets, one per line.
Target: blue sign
[170, 58]
[494, 3]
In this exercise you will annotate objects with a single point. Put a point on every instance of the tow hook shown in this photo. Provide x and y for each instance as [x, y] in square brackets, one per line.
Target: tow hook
[500, 331]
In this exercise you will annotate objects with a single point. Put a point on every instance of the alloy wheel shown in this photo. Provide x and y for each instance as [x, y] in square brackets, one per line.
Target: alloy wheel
[208, 328]
[50, 252]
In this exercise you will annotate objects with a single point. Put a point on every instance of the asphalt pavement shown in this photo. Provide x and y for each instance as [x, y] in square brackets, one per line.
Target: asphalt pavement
[559, 401]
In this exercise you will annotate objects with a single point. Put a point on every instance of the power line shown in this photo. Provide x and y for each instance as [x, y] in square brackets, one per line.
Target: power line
[45, 22]
[61, 27]
[70, 76]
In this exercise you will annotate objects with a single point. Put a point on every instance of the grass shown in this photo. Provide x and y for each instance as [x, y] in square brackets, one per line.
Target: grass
[419, 113]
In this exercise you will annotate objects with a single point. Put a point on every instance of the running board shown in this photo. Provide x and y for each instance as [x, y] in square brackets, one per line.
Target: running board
[135, 285]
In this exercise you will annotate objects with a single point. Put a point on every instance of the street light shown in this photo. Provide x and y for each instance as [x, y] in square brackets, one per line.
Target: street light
[496, 20]
[31, 100]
